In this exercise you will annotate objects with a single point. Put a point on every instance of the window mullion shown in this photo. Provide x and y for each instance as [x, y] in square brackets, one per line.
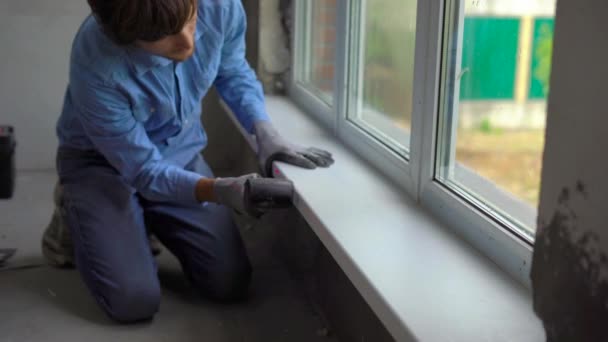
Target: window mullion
[453, 55]
[342, 83]
[429, 33]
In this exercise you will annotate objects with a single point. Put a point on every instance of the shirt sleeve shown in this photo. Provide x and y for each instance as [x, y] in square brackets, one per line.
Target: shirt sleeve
[236, 82]
[108, 121]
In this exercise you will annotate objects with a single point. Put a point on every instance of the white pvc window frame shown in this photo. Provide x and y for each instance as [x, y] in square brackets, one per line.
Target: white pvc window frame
[394, 164]
[416, 172]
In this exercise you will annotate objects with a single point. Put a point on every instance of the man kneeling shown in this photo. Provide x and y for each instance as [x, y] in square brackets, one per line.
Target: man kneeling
[129, 159]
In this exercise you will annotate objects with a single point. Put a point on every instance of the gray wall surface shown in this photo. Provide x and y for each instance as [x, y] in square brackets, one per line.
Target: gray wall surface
[35, 41]
[570, 265]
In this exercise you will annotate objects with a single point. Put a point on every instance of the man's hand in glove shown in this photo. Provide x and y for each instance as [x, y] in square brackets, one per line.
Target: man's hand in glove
[271, 147]
[231, 192]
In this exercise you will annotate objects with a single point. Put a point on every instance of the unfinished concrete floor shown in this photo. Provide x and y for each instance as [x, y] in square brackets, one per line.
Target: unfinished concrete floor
[46, 304]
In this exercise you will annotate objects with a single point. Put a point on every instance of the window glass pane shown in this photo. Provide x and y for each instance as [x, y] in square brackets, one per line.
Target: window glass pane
[383, 43]
[497, 61]
[320, 48]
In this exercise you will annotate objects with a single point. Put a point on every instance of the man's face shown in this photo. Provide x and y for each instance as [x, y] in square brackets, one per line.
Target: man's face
[178, 47]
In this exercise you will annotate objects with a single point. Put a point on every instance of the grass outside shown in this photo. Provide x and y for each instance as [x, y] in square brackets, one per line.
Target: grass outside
[511, 159]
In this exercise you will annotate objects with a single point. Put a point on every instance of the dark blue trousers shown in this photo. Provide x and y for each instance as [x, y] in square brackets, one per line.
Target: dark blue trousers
[109, 223]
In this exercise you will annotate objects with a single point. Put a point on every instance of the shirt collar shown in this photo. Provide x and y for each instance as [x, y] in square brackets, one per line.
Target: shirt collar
[143, 61]
[199, 27]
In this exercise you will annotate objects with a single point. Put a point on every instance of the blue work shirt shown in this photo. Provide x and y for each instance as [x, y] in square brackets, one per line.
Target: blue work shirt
[142, 112]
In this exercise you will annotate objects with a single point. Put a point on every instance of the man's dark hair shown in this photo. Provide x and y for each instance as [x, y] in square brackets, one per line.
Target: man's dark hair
[126, 21]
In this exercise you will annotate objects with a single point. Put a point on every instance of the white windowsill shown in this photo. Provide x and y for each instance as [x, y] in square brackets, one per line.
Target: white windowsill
[421, 280]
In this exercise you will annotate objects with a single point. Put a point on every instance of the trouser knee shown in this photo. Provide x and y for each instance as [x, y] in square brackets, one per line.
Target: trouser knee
[133, 303]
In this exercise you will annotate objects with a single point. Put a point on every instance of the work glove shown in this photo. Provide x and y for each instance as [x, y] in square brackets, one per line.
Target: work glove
[267, 194]
[271, 147]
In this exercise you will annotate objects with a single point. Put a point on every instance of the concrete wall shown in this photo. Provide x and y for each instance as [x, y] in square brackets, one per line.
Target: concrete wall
[342, 309]
[35, 40]
[570, 265]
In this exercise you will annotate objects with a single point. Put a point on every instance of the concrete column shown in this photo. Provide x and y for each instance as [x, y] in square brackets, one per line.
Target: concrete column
[570, 265]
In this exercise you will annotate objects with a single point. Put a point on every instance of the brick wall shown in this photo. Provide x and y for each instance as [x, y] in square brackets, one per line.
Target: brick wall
[323, 45]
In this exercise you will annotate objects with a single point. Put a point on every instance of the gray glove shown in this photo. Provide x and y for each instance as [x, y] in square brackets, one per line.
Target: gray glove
[271, 147]
[255, 198]
[231, 191]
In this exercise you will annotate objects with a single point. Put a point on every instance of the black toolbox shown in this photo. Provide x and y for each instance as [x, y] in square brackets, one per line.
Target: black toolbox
[7, 161]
